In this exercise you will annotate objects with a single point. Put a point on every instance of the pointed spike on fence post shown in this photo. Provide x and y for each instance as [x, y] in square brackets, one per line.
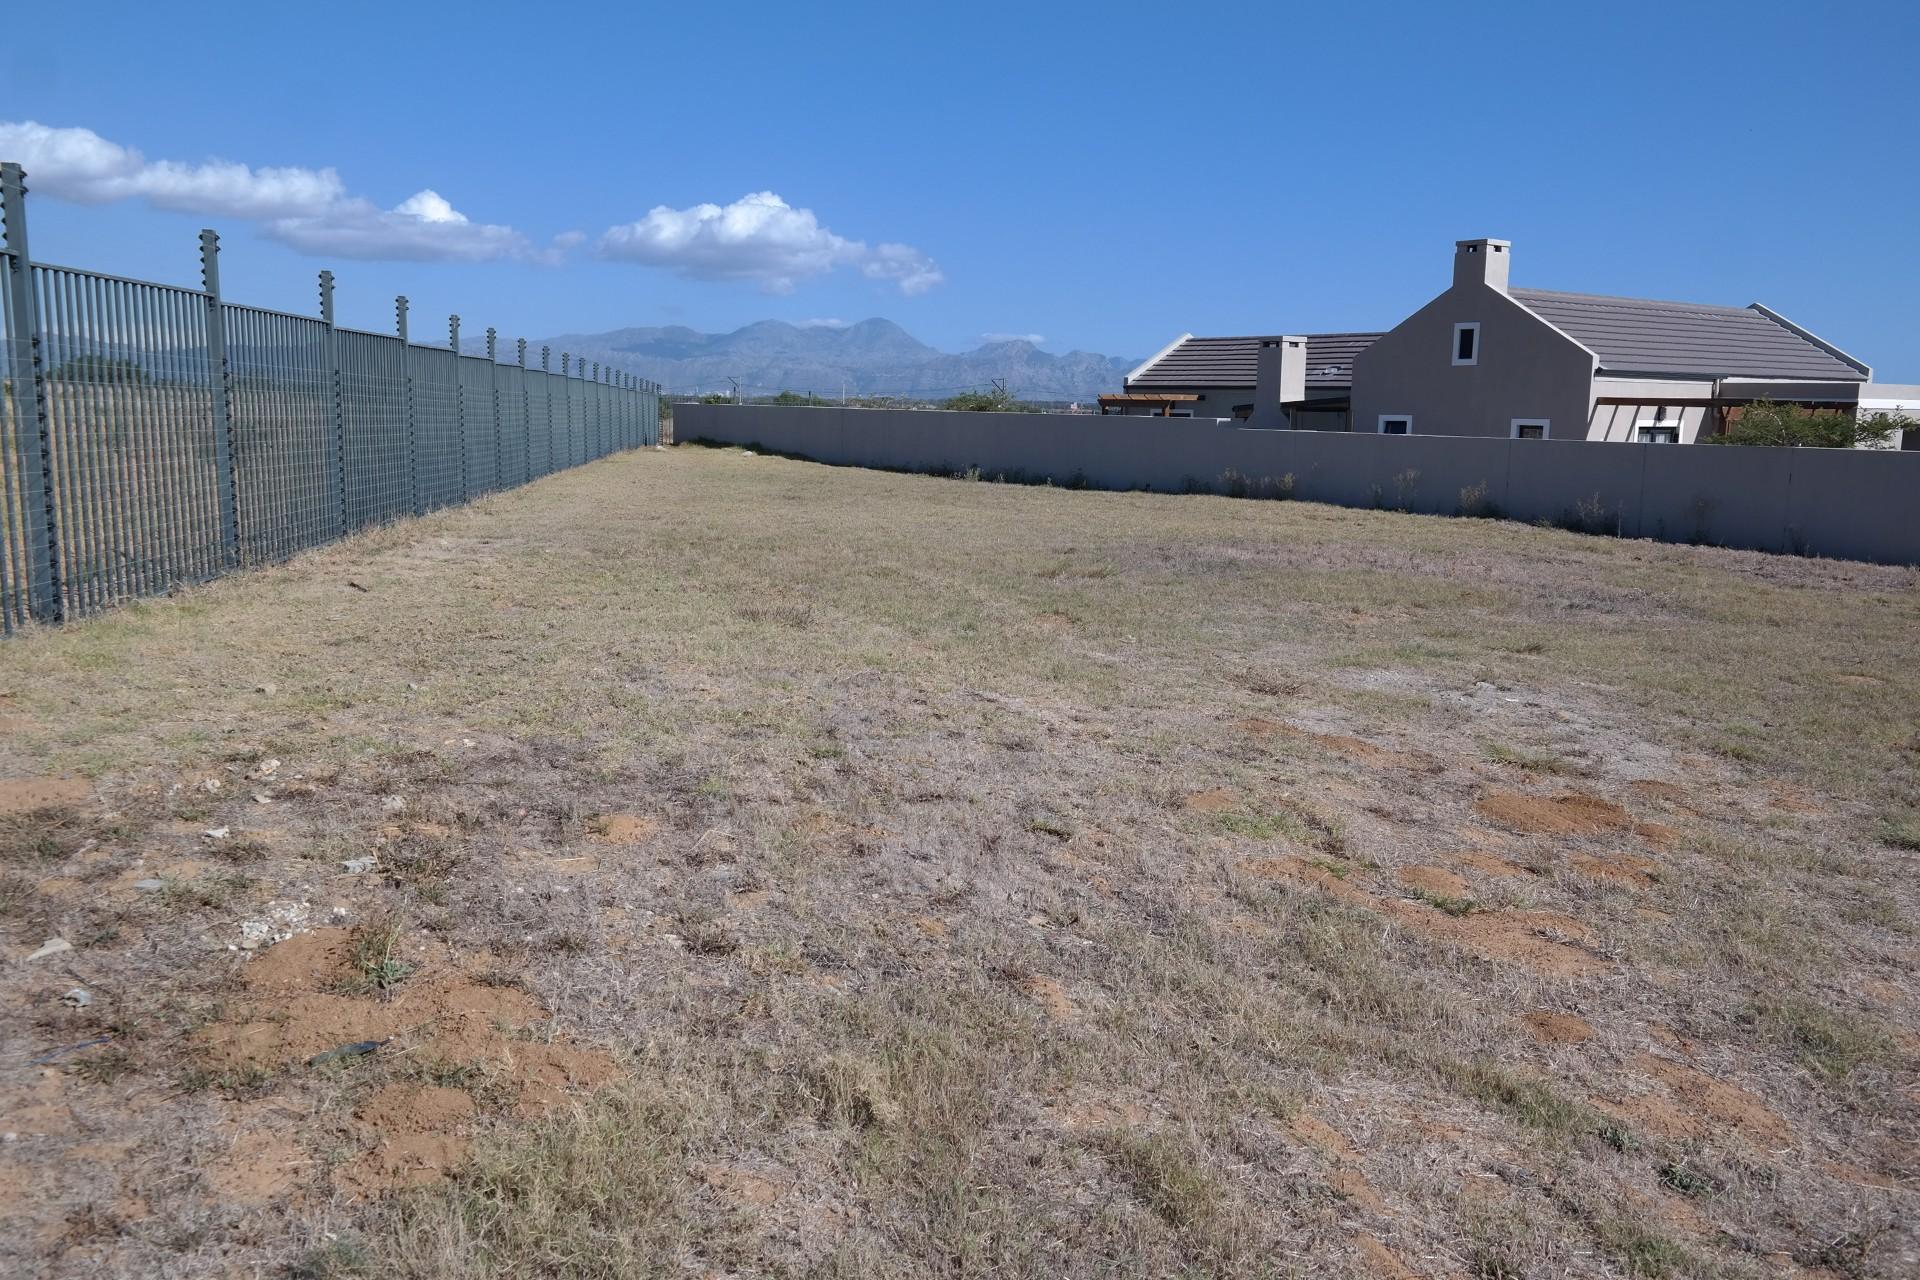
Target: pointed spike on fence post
[13, 194]
[545, 352]
[400, 316]
[564, 358]
[523, 352]
[326, 298]
[453, 333]
[209, 260]
[492, 347]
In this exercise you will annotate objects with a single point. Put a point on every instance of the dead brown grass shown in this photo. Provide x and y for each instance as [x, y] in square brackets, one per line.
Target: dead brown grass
[953, 878]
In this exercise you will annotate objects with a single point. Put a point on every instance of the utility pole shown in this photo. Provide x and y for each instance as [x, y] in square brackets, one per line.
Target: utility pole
[736, 389]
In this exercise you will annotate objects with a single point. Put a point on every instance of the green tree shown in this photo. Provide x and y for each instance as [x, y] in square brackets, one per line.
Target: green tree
[995, 401]
[1791, 426]
[716, 397]
[791, 398]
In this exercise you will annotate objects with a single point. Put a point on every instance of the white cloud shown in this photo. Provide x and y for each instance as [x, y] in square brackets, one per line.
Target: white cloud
[825, 323]
[1037, 339]
[308, 209]
[762, 238]
[906, 266]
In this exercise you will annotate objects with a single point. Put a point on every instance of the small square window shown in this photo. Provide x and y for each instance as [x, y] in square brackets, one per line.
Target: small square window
[1531, 428]
[1657, 430]
[1393, 424]
[1466, 343]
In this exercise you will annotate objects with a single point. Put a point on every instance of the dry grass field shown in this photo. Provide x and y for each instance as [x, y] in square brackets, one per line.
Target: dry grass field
[730, 866]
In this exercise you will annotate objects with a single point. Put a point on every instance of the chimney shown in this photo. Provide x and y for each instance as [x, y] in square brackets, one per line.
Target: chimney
[1482, 262]
[1281, 378]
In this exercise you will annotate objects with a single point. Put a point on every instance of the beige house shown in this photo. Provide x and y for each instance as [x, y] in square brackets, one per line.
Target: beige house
[1487, 359]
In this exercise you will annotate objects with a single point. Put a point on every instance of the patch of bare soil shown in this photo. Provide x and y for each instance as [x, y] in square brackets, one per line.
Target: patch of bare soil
[25, 795]
[304, 998]
[264, 1161]
[1435, 880]
[1530, 939]
[1214, 800]
[1050, 996]
[623, 828]
[1380, 1261]
[413, 1133]
[1314, 1131]
[1490, 864]
[1571, 813]
[1694, 1104]
[1558, 1028]
[1618, 868]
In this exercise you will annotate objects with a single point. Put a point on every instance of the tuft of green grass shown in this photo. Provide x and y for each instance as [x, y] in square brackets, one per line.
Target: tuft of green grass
[1645, 1253]
[1289, 820]
[1534, 1103]
[1442, 902]
[1675, 1175]
[1901, 831]
[1165, 1177]
[104, 1066]
[376, 960]
[1832, 1043]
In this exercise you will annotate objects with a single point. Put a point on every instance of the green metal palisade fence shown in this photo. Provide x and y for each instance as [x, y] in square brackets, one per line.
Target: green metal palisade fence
[152, 435]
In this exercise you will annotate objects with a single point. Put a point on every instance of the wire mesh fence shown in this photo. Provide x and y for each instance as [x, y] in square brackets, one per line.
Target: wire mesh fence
[153, 436]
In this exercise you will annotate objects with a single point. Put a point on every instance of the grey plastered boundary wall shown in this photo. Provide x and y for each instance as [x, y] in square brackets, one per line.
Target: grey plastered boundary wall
[1845, 503]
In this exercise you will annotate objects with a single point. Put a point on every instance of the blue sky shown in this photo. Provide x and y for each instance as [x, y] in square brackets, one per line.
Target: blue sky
[1103, 176]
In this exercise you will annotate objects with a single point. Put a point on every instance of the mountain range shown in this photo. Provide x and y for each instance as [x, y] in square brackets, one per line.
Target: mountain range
[872, 358]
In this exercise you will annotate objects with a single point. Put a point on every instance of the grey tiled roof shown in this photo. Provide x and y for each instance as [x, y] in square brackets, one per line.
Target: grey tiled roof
[1633, 335]
[1234, 362]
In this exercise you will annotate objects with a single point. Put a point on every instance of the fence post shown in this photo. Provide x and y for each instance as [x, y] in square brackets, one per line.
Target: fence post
[223, 443]
[459, 405]
[547, 384]
[406, 378]
[526, 413]
[39, 524]
[566, 402]
[493, 390]
[593, 401]
[339, 399]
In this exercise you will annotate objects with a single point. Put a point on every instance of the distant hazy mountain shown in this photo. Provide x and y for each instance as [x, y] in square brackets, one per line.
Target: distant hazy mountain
[875, 357]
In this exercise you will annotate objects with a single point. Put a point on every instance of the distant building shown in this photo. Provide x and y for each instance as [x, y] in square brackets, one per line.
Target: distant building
[1220, 378]
[1484, 358]
[1896, 401]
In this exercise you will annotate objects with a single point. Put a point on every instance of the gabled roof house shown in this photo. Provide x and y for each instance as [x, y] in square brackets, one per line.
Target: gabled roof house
[1220, 378]
[1484, 358]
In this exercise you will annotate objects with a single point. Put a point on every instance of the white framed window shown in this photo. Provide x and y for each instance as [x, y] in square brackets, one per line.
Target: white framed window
[1532, 428]
[1395, 424]
[1657, 430]
[1466, 343]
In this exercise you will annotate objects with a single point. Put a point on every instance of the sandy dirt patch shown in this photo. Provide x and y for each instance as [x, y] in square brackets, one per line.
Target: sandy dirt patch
[25, 795]
[1557, 1028]
[623, 828]
[417, 1132]
[1571, 813]
[1435, 880]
